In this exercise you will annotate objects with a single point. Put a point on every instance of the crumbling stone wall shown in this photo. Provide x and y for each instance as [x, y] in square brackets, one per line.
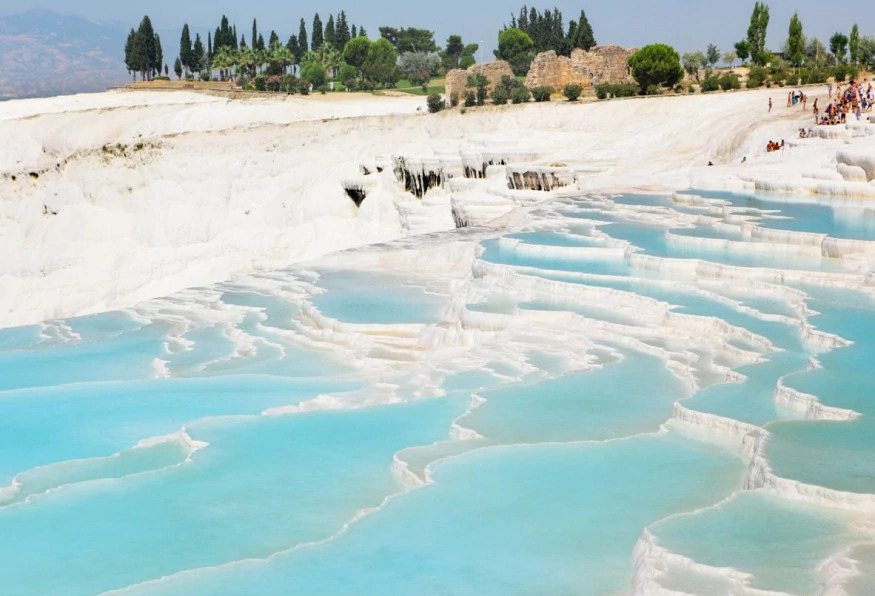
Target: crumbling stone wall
[602, 64]
[493, 71]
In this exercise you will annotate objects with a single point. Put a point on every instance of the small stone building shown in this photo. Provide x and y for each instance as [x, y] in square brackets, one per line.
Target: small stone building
[493, 71]
[602, 64]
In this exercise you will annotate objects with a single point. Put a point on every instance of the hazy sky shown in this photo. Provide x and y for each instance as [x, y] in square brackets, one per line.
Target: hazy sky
[685, 24]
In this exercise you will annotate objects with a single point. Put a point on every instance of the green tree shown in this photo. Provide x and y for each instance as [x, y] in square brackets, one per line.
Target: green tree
[318, 34]
[583, 35]
[342, 30]
[742, 50]
[656, 64]
[692, 62]
[866, 50]
[418, 67]
[185, 49]
[409, 39]
[854, 44]
[712, 54]
[302, 40]
[330, 34]
[453, 51]
[815, 52]
[516, 47]
[314, 72]
[130, 61]
[356, 51]
[795, 42]
[158, 58]
[254, 37]
[838, 45]
[177, 68]
[379, 66]
[756, 34]
[199, 56]
[729, 56]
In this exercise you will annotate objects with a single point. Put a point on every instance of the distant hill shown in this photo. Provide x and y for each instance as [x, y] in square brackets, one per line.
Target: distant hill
[43, 53]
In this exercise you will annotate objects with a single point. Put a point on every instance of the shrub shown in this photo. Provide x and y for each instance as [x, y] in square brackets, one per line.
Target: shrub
[289, 84]
[654, 90]
[710, 84]
[729, 81]
[454, 99]
[435, 103]
[242, 81]
[323, 88]
[162, 78]
[606, 90]
[314, 73]
[542, 93]
[205, 75]
[813, 76]
[261, 82]
[347, 73]
[500, 95]
[470, 99]
[756, 77]
[520, 95]
[572, 91]
[840, 73]
[465, 62]
[479, 84]
[304, 86]
[273, 83]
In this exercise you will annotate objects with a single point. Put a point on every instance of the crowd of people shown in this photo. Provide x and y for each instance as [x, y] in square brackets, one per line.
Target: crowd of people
[856, 99]
[773, 146]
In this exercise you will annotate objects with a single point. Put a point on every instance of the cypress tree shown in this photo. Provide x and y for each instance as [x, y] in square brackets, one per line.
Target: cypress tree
[260, 44]
[292, 46]
[159, 55]
[318, 36]
[302, 39]
[198, 54]
[145, 45]
[243, 42]
[210, 45]
[254, 37]
[185, 48]
[341, 30]
[129, 53]
[354, 33]
[362, 32]
[584, 37]
[177, 68]
[274, 40]
[330, 36]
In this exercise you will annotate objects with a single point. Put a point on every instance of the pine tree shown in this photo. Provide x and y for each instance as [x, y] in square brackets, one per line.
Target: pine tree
[302, 39]
[318, 37]
[185, 48]
[330, 36]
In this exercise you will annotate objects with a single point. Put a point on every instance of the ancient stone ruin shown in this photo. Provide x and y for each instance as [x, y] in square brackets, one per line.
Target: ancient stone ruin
[493, 71]
[602, 64]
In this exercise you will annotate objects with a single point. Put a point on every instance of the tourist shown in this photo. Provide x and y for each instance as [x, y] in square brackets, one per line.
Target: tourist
[770, 105]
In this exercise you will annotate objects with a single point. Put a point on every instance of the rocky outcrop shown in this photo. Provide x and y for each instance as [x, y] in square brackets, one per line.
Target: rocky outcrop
[602, 64]
[493, 71]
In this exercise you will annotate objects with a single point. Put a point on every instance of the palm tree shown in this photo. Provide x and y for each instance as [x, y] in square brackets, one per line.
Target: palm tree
[224, 60]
